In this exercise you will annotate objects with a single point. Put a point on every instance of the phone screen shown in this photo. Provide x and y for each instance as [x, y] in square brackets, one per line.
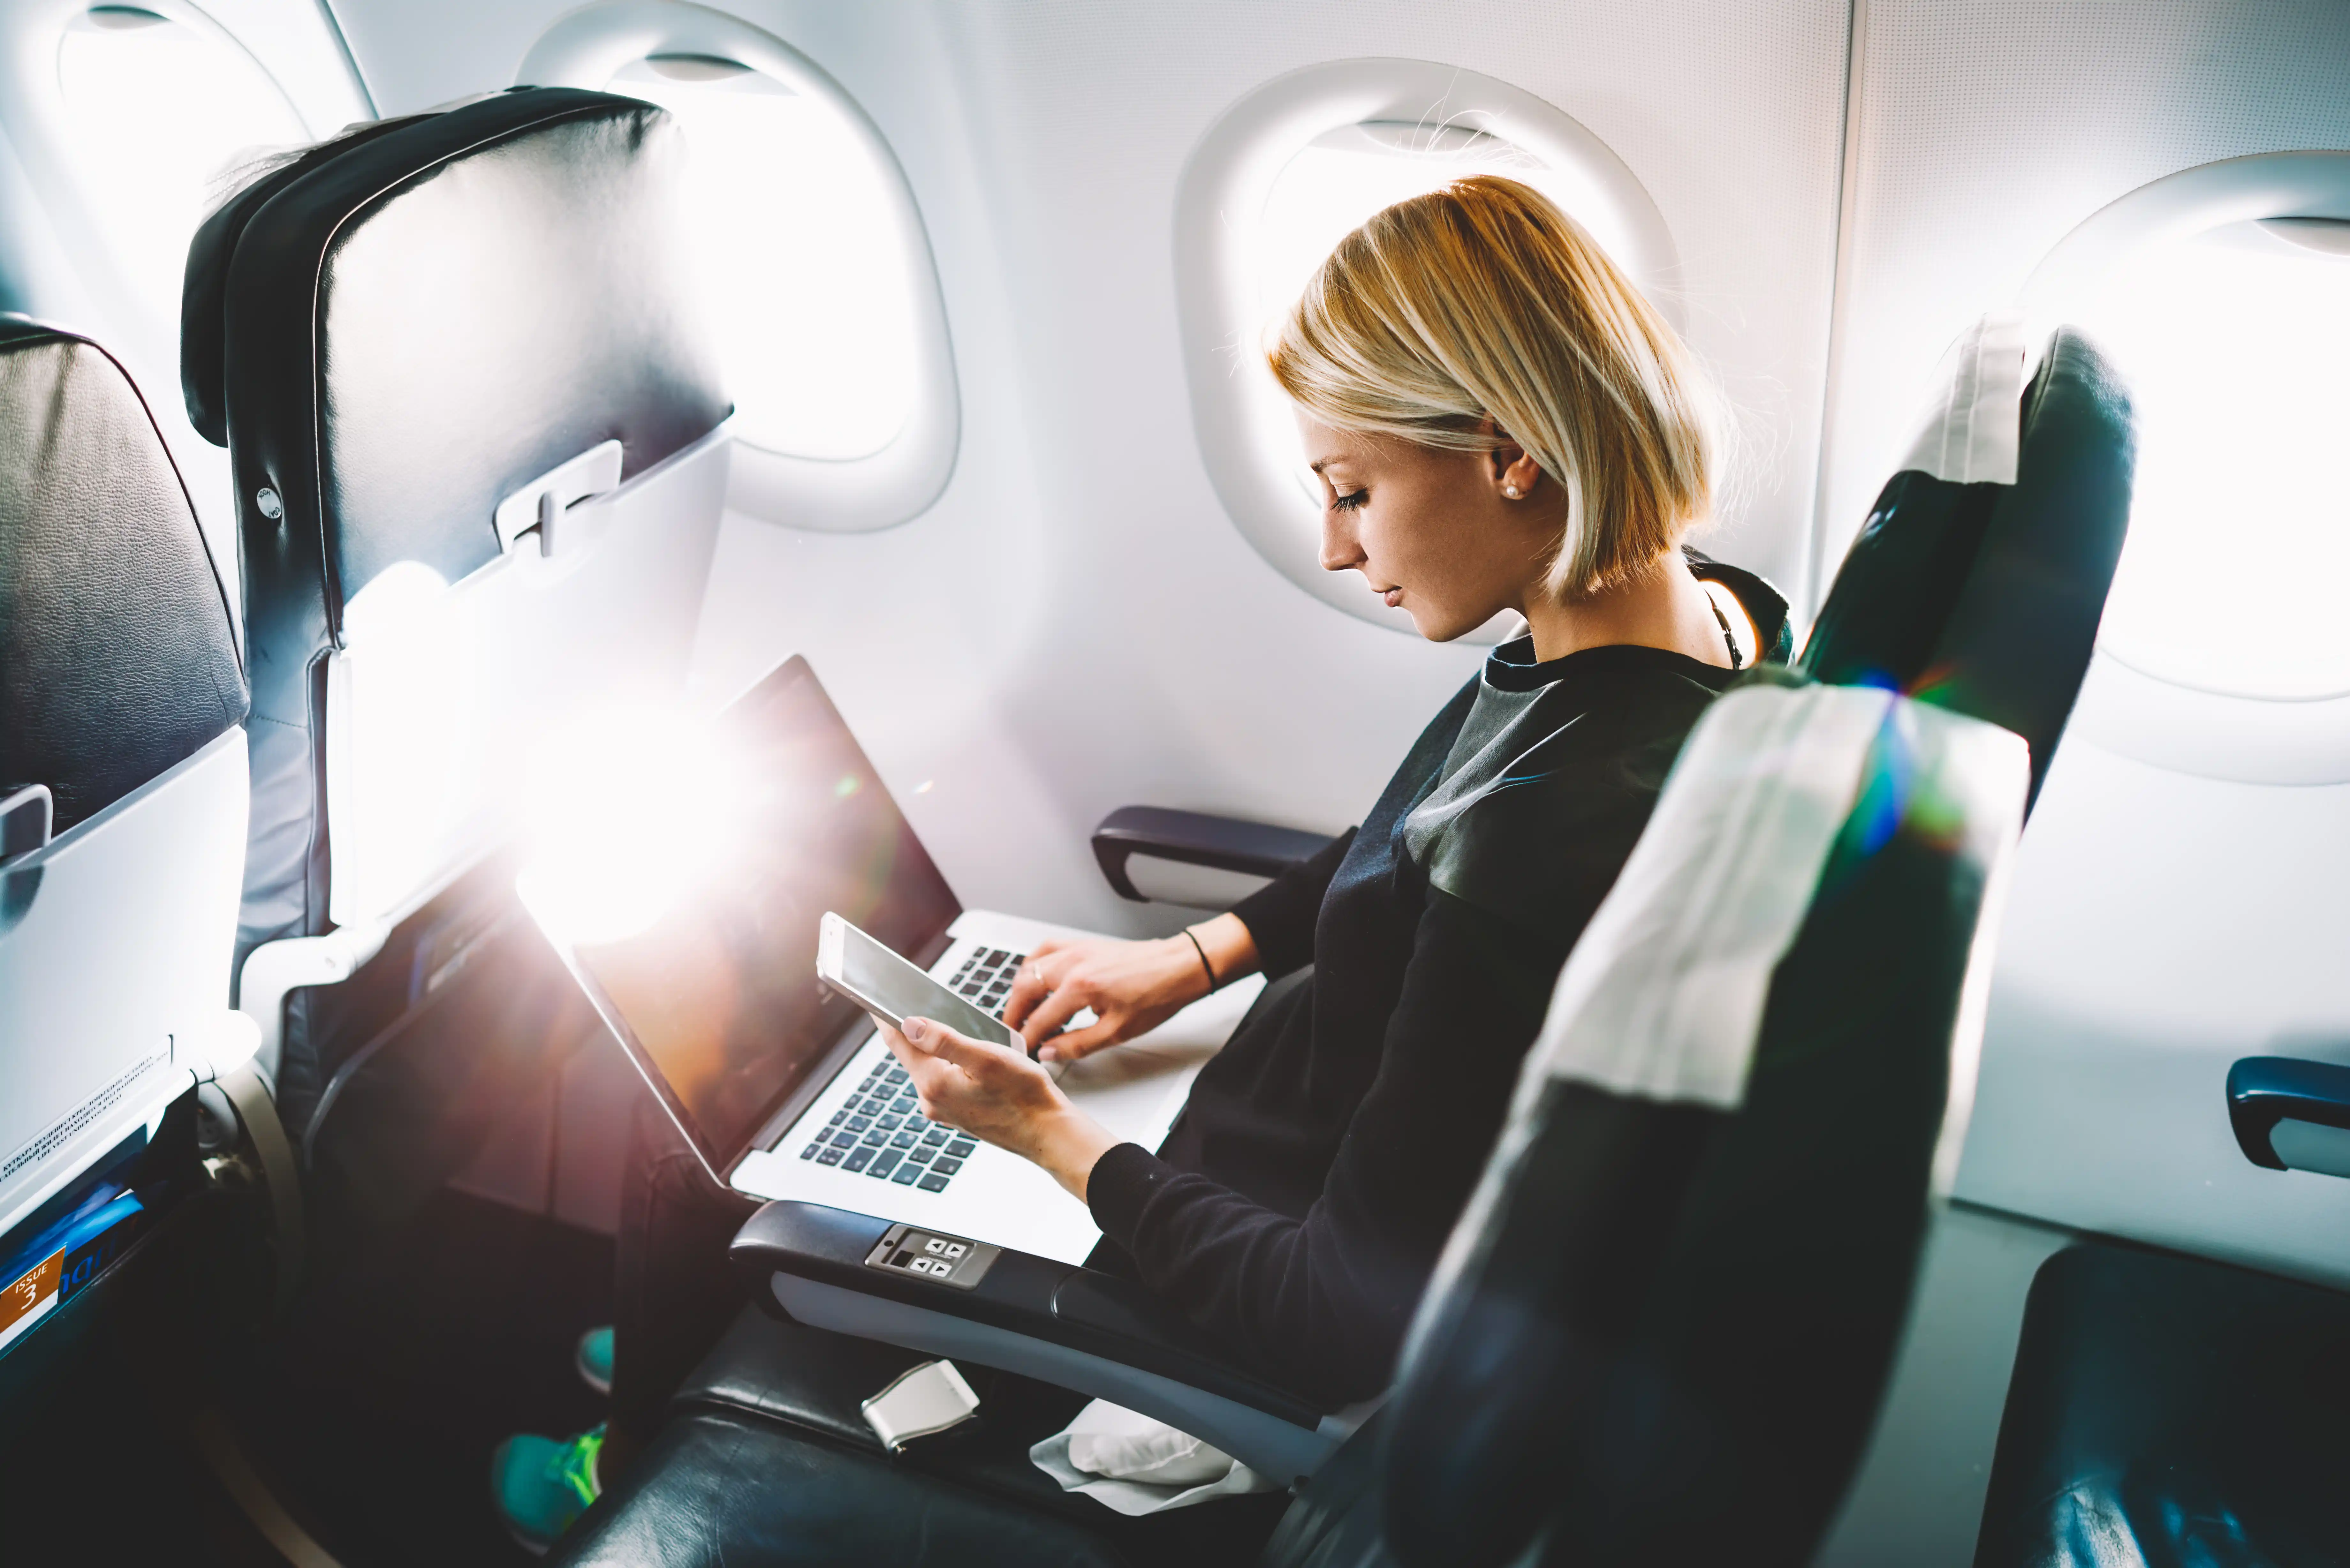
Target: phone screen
[893, 990]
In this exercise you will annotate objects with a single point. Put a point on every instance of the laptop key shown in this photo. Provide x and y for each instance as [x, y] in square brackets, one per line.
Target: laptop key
[845, 1138]
[810, 1152]
[961, 1148]
[921, 1153]
[891, 1124]
[876, 1138]
[829, 1157]
[907, 1174]
[936, 1135]
[933, 1183]
[857, 1159]
[858, 1124]
[901, 1140]
[903, 1104]
[946, 1165]
[883, 1163]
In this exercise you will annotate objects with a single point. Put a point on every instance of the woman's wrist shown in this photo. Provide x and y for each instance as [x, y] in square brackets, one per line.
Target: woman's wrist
[1068, 1143]
[1226, 945]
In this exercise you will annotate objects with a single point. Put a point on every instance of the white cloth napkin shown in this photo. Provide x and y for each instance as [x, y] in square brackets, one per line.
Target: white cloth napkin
[1136, 1465]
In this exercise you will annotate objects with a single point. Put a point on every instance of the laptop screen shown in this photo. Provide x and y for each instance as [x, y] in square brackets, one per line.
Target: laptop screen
[719, 995]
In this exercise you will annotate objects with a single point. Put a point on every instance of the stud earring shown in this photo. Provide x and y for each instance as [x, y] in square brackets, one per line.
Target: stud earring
[1512, 492]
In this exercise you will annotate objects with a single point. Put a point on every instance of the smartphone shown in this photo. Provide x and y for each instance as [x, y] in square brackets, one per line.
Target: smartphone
[868, 974]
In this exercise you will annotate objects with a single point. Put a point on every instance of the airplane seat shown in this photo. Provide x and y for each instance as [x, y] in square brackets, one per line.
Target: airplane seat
[1660, 1329]
[123, 821]
[2171, 1409]
[478, 440]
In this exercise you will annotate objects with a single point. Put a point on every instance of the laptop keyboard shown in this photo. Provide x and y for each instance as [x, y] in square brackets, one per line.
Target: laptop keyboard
[881, 1131]
[986, 978]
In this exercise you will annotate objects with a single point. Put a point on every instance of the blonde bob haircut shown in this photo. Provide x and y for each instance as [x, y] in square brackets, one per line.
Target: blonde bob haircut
[1480, 308]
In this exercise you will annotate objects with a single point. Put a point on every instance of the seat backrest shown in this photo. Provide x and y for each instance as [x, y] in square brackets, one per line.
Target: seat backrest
[1980, 577]
[1658, 1332]
[433, 335]
[121, 694]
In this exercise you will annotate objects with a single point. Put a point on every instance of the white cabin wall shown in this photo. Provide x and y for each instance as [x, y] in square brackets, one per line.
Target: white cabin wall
[1075, 625]
[1988, 130]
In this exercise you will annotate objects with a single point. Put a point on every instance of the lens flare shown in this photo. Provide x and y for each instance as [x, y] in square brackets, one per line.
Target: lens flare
[611, 850]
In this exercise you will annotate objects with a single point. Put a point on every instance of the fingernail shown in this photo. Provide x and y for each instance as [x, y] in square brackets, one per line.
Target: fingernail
[1049, 1053]
[917, 1029]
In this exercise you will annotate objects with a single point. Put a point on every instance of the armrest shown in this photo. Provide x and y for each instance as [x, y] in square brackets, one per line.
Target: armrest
[2291, 1114]
[1058, 1322]
[1195, 838]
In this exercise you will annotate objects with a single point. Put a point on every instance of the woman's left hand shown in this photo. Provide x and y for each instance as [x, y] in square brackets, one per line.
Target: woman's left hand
[999, 1095]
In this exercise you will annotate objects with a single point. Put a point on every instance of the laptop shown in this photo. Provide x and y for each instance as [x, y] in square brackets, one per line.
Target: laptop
[783, 1089]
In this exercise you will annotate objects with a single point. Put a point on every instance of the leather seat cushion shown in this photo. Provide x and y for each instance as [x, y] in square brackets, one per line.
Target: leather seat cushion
[2167, 1409]
[719, 1487]
[117, 657]
[807, 1380]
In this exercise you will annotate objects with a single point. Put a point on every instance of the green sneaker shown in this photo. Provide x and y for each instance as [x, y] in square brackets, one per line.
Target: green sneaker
[594, 1359]
[540, 1485]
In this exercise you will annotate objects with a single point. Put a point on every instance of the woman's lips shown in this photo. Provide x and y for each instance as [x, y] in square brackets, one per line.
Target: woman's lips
[1393, 596]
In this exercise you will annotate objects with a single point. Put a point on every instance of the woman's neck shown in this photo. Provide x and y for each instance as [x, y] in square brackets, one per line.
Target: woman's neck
[1663, 606]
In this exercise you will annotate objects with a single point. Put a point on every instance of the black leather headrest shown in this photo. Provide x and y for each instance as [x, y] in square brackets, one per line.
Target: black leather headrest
[1985, 598]
[117, 658]
[423, 323]
[204, 292]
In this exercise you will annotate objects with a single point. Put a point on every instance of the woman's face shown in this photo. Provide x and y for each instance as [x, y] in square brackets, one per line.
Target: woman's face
[1434, 533]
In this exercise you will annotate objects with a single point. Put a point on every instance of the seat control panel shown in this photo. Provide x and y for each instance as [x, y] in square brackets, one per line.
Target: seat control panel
[929, 1255]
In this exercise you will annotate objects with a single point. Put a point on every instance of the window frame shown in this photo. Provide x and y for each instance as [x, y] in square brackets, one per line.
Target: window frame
[37, 120]
[1219, 211]
[2150, 718]
[852, 495]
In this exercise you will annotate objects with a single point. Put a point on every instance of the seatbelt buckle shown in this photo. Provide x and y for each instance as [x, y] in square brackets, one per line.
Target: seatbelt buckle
[920, 1402]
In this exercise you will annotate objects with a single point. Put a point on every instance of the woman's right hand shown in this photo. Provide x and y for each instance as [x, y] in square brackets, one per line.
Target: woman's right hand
[1132, 987]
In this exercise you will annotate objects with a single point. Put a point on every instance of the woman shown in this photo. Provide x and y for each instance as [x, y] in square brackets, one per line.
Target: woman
[1500, 423]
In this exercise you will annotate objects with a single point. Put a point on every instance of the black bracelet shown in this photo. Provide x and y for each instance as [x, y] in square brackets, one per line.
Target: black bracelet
[1213, 983]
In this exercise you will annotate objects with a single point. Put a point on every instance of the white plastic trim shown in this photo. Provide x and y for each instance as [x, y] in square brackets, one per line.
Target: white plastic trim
[587, 50]
[2212, 734]
[2176, 207]
[32, 113]
[1219, 211]
[274, 968]
[224, 1043]
[2164, 724]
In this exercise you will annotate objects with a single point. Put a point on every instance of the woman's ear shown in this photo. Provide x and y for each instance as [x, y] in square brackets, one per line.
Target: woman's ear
[1514, 470]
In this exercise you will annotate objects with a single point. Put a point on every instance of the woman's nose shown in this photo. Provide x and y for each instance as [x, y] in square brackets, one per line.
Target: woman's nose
[1340, 550]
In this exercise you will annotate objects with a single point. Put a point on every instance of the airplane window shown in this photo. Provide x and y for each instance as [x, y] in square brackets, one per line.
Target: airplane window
[1287, 171]
[2233, 341]
[1344, 176]
[797, 233]
[155, 109]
